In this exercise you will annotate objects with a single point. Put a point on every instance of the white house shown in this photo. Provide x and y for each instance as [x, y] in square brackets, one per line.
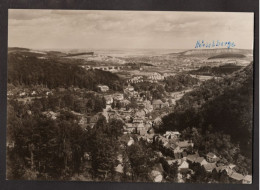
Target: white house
[247, 179]
[109, 99]
[183, 165]
[103, 88]
[118, 97]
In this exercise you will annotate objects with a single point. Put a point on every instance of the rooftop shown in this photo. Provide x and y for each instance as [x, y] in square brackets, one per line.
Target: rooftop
[157, 102]
[209, 166]
[236, 176]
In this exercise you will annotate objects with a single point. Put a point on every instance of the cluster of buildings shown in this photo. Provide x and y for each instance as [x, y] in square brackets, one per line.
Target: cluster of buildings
[150, 77]
[28, 95]
[155, 77]
[159, 104]
[210, 162]
[181, 152]
[137, 120]
[135, 80]
[103, 88]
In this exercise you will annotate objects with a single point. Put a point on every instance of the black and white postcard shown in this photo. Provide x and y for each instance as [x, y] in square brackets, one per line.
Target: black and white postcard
[130, 96]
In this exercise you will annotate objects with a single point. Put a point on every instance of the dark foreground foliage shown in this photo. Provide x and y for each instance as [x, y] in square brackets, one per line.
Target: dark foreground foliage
[218, 116]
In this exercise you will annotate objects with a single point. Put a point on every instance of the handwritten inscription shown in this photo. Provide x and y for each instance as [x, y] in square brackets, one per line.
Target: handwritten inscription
[214, 44]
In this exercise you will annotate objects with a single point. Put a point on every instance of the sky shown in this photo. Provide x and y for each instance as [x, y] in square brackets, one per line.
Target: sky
[92, 29]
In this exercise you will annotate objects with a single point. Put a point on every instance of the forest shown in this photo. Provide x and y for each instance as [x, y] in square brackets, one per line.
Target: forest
[228, 55]
[218, 116]
[30, 70]
[179, 82]
[216, 71]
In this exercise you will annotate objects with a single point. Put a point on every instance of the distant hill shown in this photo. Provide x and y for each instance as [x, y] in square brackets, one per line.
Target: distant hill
[231, 55]
[17, 49]
[77, 54]
[214, 52]
[218, 71]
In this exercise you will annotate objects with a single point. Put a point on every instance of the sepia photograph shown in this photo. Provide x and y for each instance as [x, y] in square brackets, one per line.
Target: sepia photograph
[130, 96]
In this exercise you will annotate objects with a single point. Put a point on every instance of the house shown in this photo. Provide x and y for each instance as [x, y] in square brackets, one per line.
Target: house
[211, 157]
[156, 77]
[156, 176]
[129, 89]
[177, 151]
[168, 74]
[149, 138]
[120, 158]
[118, 96]
[201, 161]
[138, 120]
[236, 176]
[185, 144]
[33, 93]
[184, 155]
[209, 166]
[86, 156]
[10, 144]
[192, 157]
[51, 114]
[113, 115]
[109, 99]
[22, 94]
[247, 179]
[158, 104]
[231, 166]
[222, 168]
[157, 121]
[130, 142]
[127, 118]
[146, 111]
[149, 124]
[48, 93]
[136, 79]
[177, 155]
[171, 161]
[142, 132]
[130, 127]
[119, 168]
[140, 127]
[140, 114]
[103, 88]
[158, 153]
[83, 122]
[147, 104]
[183, 165]
[9, 93]
[172, 135]
[157, 172]
[150, 130]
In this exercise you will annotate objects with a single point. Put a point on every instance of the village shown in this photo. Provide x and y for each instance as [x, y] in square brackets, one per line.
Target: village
[129, 98]
[140, 121]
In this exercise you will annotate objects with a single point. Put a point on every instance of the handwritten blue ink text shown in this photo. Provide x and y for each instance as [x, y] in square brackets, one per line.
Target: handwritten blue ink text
[214, 44]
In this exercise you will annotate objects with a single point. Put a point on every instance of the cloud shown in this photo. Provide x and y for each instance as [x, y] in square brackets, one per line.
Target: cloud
[118, 29]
